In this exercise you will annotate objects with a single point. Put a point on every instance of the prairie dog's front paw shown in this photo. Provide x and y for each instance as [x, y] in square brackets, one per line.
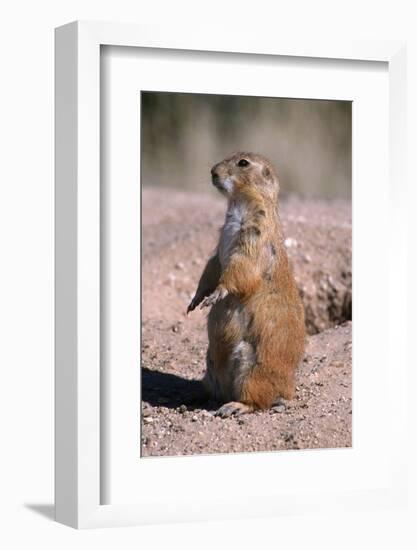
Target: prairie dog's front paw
[194, 303]
[220, 293]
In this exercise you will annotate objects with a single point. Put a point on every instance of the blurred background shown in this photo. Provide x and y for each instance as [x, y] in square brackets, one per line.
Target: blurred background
[308, 141]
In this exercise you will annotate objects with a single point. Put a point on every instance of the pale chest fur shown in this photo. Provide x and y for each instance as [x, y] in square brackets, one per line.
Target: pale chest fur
[235, 217]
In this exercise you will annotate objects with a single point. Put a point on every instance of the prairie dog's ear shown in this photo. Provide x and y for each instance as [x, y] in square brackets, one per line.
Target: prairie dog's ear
[266, 172]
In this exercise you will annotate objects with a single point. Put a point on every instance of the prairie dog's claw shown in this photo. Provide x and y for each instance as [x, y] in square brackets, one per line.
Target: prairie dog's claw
[215, 297]
[192, 305]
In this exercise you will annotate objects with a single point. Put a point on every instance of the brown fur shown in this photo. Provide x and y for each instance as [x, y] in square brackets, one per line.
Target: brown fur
[256, 323]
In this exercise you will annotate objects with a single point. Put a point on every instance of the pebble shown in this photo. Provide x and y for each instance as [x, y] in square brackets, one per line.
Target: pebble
[290, 242]
[194, 418]
[182, 408]
[147, 420]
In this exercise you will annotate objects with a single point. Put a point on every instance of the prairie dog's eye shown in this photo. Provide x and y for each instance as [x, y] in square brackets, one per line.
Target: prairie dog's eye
[243, 162]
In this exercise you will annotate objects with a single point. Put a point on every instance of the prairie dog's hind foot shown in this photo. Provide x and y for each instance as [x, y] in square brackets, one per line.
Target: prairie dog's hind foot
[233, 408]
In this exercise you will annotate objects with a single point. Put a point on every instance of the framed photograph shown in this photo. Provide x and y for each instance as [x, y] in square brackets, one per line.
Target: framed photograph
[228, 323]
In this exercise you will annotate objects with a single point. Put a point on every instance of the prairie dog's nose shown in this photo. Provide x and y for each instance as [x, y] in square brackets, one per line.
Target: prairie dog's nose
[214, 171]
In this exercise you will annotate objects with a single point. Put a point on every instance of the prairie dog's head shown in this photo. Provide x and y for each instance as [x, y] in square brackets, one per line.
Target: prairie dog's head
[246, 174]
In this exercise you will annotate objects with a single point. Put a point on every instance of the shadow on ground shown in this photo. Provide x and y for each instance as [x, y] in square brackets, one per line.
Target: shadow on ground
[171, 391]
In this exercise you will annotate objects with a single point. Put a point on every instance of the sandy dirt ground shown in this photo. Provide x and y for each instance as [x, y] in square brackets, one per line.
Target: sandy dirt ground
[179, 232]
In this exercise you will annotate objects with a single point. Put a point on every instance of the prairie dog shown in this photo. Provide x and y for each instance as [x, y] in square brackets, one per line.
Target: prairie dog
[256, 323]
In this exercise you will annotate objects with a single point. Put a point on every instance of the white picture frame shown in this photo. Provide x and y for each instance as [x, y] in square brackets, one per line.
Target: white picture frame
[78, 426]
